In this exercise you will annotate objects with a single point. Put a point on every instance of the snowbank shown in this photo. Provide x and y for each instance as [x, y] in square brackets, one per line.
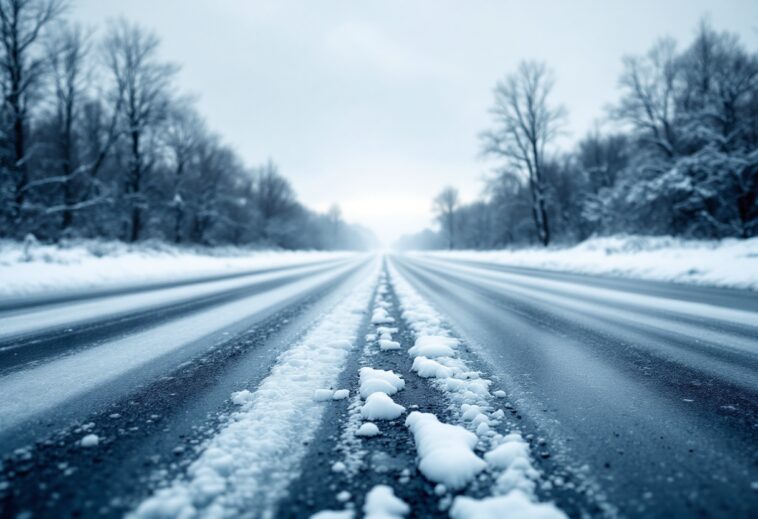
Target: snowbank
[726, 263]
[28, 269]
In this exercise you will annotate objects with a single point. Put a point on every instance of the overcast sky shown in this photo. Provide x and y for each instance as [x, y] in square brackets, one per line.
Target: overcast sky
[376, 105]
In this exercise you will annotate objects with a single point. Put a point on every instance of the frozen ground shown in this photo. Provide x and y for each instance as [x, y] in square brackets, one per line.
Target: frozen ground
[727, 263]
[31, 268]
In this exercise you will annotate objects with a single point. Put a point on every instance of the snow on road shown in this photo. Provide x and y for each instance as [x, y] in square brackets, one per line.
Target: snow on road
[726, 263]
[38, 269]
[584, 297]
[446, 451]
[450, 455]
[245, 469]
[72, 314]
[27, 393]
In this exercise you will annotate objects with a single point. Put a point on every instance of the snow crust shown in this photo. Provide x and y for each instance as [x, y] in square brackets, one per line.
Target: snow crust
[32, 269]
[245, 469]
[726, 263]
[331, 514]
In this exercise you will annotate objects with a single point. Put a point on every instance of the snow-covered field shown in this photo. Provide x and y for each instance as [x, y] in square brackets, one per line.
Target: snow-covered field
[726, 263]
[27, 269]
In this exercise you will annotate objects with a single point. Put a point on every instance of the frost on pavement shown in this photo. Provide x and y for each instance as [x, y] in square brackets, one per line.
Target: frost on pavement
[447, 451]
[245, 469]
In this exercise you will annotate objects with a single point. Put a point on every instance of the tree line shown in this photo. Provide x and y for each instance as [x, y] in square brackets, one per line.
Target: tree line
[681, 159]
[96, 142]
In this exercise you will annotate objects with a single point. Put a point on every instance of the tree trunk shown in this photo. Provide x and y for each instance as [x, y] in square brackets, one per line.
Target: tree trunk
[178, 222]
[543, 217]
[135, 187]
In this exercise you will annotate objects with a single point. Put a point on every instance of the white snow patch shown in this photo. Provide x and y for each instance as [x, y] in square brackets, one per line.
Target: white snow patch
[380, 316]
[505, 454]
[241, 397]
[430, 368]
[322, 395]
[90, 440]
[381, 503]
[387, 345]
[445, 451]
[379, 380]
[433, 346]
[341, 394]
[245, 469]
[379, 406]
[367, 429]
[515, 505]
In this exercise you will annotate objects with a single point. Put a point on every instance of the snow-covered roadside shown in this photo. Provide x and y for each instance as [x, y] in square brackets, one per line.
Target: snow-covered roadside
[726, 263]
[245, 469]
[28, 269]
[447, 452]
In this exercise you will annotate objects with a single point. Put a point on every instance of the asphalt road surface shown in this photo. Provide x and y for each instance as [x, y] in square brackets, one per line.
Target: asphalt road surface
[648, 388]
[645, 393]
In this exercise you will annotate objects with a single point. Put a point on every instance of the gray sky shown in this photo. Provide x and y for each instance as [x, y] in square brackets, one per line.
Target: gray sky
[376, 105]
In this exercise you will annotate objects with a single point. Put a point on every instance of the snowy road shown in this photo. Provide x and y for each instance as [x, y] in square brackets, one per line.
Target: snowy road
[652, 389]
[218, 397]
[59, 360]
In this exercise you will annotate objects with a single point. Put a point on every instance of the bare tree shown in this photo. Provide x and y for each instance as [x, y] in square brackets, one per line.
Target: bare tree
[145, 84]
[184, 132]
[719, 81]
[21, 25]
[649, 104]
[273, 197]
[524, 125]
[444, 206]
[67, 52]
